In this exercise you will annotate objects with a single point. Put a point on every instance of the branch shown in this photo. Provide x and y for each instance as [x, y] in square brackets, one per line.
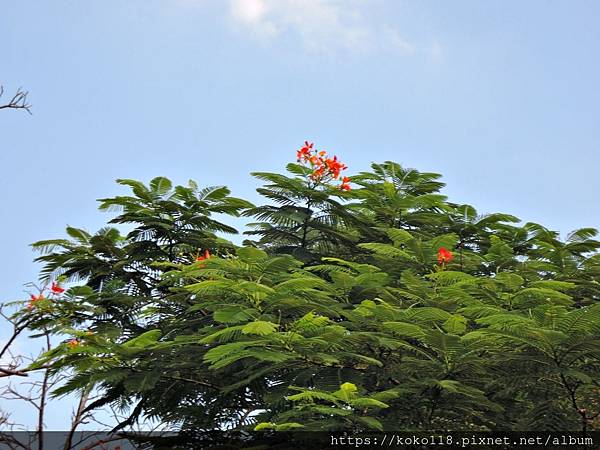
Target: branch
[7, 372]
[12, 394]
[9, 439]
[18, 101]
[78, 417]
[10, 372]
[17, 329]
[43, 398]
[189, 380]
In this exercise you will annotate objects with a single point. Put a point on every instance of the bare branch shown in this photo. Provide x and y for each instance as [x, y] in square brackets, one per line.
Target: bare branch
[43, 397]
[18, 328]
[18, 100]
[78, 417]
[12, 394]
[11, 369]
[10, 372]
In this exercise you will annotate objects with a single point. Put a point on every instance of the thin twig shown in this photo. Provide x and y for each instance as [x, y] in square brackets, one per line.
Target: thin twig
[18, 100]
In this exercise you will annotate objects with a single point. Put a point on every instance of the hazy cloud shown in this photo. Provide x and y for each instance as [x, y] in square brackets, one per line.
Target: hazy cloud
[321, 25]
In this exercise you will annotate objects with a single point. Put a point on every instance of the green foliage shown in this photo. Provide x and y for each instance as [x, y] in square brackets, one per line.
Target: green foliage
[306, 220]
[338, 317]
[319, 410]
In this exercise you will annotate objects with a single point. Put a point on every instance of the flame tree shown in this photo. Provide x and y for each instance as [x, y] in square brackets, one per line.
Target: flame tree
[366, 301]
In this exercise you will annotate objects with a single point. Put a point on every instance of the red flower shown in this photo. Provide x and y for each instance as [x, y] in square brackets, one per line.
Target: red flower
[73, 343]
[334, 166]
[318, 173]
[304, 152]
[202, 258]
[35, 299]
[324, 169]
[345, 186]
[444, 255]
[56, 289]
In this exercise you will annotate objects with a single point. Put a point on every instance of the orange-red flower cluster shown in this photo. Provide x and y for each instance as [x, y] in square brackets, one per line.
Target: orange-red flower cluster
[34, 299]
[444, 255]
[55, 289]
[202, 257]
[323, 167]
[345, 186]
[76, 342]
[73, 343]
[205, 256]
[304, 152]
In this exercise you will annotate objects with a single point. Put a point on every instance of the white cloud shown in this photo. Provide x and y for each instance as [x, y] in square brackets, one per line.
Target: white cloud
[321, 25]
[249, 11]
[253, 14]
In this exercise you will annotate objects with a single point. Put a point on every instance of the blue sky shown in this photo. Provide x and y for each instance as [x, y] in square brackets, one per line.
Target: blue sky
[502, 98]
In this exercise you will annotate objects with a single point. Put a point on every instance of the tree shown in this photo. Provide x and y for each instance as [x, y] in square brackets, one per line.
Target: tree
[357, 309]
